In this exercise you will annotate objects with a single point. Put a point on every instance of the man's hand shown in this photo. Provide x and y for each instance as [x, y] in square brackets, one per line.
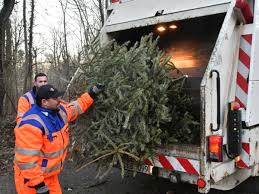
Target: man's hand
[96, 90]
[41, 188]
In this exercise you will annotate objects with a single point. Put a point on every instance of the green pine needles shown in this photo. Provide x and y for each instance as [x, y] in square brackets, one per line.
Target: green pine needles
[142, 107]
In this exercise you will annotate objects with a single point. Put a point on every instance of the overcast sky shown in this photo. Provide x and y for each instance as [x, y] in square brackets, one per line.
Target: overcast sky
[48, 15]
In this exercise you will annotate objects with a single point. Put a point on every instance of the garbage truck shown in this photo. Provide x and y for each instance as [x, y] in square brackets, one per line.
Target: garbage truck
[216, 45]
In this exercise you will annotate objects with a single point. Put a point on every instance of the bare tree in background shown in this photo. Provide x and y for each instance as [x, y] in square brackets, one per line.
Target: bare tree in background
[25, 86]
[91, 20]
[55, 60]
[100, 6]
[10, 88]
[65, 52]
[82, 11]
[90, 17]
[5, 50]
[101, 11]
[56, 72]
[17, 40]
[28, 50]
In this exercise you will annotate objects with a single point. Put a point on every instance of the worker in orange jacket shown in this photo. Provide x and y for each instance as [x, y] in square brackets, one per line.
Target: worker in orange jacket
[27, 100]
[42, 138]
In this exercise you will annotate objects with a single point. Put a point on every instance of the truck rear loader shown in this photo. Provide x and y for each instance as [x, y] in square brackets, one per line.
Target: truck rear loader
[215, 44]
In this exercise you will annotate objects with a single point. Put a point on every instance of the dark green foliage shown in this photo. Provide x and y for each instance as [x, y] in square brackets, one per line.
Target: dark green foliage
[141, 108]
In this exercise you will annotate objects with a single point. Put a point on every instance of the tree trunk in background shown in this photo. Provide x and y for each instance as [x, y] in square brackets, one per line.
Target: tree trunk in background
[10, 99]
[2, 54]
[54, 49]
[30, 54]
[17, 36]
[65, 52]
[26, 65]
[66, 49]
[106, 4]
[101, 10]
[35, 54]
[81, 15]
[4, 16]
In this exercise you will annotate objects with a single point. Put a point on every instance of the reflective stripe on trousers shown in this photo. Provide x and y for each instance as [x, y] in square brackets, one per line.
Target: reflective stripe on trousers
[21, 188]
[30, 152]
[26, 166]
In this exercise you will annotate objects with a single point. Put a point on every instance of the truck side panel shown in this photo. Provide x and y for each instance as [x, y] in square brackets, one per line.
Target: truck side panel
[224, 60]
[252, 117]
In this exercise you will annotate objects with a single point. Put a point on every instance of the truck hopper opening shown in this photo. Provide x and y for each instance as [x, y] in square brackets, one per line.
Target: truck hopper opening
[190, 46]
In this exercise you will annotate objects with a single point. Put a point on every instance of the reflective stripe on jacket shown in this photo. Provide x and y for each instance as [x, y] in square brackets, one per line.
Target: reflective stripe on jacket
[42, 138]
[25, 102]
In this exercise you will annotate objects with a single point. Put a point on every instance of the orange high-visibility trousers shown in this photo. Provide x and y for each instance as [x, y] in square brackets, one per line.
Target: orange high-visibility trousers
[52, 182]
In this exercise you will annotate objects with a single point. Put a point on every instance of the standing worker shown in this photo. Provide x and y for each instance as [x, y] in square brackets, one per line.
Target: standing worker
[26, 101]
[42, 138]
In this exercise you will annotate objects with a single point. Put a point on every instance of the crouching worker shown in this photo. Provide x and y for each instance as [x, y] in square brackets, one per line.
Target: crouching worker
[42, 138]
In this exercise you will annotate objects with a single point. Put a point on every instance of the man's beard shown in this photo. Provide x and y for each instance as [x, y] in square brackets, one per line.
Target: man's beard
[55, 110]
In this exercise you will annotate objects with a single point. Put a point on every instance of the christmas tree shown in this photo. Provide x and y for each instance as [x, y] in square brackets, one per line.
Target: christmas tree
[142, 106]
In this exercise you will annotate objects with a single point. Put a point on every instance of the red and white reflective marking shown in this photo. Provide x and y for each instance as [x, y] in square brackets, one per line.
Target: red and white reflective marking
[115, 1]
[189, 166]
[243, 70]
[245, 156]
[120, 1]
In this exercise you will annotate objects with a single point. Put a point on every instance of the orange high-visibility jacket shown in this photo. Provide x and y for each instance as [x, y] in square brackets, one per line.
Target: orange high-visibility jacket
[25, 102]
[42, 138]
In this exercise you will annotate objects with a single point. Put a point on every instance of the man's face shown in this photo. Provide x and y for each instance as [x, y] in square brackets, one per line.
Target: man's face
[51, 103]
[40, 81]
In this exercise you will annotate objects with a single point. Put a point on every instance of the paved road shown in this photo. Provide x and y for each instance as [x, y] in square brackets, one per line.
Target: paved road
[84, 182]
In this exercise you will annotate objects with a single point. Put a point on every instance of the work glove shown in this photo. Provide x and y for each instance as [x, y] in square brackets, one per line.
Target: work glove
[41, 188]
[95, 90]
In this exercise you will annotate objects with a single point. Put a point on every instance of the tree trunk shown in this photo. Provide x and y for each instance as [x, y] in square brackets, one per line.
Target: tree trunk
[66, 49]
[4, 16]
[17, 36]
[66, 55]
[35, 54]
[106, 4]
[2, 46]
[10, 96]
[55, 49]
[30, 54]
[101, 11]
[25, 86]
[86, 35]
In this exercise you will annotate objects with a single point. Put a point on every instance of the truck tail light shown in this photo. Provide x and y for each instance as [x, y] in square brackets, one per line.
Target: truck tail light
[115, 1]
[215, 148]
[201, 183]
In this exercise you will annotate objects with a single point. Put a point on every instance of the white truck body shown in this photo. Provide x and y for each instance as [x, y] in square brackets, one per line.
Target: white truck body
[235, 56]
[134, 13]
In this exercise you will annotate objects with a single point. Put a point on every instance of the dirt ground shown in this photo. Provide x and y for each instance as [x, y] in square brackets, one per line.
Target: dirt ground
[84, 182]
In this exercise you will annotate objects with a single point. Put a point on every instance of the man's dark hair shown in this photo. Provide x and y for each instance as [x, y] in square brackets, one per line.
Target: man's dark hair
[39, 75]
